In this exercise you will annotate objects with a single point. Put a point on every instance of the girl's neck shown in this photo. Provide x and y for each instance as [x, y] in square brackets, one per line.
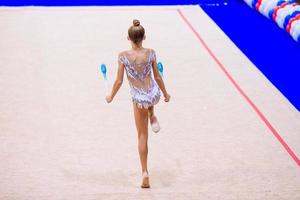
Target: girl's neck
[137, 46]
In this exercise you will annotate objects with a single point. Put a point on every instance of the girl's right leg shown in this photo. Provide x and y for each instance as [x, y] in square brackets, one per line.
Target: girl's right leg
[151, 111]
[153, 120]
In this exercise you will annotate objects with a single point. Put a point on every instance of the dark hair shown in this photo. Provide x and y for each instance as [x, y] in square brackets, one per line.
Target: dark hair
[136, 32]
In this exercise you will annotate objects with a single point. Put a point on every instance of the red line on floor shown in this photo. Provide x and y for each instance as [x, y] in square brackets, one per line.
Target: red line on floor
[256, 109]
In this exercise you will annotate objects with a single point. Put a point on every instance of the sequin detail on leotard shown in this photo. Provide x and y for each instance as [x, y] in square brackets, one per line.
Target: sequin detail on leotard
[144, 90]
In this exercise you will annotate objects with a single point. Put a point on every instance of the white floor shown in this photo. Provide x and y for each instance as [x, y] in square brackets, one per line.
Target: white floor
[60, 140]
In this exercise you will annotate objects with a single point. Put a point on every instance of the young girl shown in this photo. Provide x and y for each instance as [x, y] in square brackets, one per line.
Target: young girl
[138, 62]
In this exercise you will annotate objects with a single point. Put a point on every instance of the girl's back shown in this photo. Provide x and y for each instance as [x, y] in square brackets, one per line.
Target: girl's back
[138, 65]
[138, 57]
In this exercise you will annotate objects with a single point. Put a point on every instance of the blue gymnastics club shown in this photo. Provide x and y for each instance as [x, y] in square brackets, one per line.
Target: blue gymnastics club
[103, 71]
[160, 68]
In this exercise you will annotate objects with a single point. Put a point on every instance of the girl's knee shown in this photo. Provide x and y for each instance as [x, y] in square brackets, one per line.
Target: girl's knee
[143, 135]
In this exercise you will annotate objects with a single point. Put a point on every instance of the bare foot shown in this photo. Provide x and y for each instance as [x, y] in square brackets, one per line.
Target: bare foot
[145, 181]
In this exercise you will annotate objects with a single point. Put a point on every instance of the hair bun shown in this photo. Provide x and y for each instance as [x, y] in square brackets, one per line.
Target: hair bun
[136, 22]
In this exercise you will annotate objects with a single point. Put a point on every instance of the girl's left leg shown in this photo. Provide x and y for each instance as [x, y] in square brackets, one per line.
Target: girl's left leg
[141, 121]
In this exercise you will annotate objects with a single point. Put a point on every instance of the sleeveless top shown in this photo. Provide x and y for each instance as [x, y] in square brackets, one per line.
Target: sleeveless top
[144, 90]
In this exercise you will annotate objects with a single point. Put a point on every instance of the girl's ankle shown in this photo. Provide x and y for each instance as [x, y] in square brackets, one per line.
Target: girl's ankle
[145, 172]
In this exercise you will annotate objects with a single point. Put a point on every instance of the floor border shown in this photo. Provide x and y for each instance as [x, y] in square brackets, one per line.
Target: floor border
[239, 89]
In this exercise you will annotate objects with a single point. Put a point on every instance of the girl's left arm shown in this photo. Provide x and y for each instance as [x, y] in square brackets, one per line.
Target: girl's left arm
[118, 82]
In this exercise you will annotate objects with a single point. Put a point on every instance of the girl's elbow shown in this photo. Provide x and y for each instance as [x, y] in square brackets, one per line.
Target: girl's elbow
[119, 82]
[157, 78]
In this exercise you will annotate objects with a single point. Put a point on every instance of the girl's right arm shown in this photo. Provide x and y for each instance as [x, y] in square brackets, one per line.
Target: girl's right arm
[159, 80]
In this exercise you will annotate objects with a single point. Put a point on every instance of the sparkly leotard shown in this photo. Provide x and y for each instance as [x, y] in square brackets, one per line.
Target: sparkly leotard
[144, 90]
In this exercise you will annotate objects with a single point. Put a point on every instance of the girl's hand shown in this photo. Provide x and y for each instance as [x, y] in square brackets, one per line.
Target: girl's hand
[167, 97]
[108, 99]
